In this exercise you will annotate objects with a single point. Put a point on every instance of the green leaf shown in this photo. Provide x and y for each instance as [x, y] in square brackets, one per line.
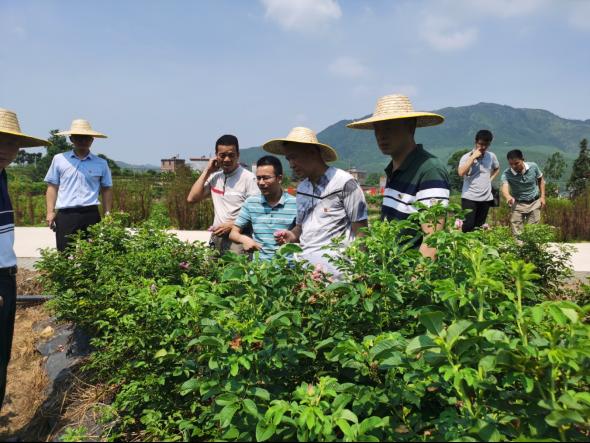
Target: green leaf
[264, 430]
[250, 407]
[226, 415]
[234, 369]
[571, 314]
[495, 335]
[368, 305]
[341, 401]
[226, 399]
[232, 273]
[537, 312]
[455, 330]
[344, 427]
[262, 394]
[189, 386]
[289, 248]
[161, 353]
[433, 322]
[208, 340]
[560, 418]
[368, 424]
[420, 343]
[348, 415]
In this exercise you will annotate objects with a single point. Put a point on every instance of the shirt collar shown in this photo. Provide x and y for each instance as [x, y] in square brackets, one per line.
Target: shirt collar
[526, 168]
[281, 201]
[234, 172]
[407, 162]
[90, 156]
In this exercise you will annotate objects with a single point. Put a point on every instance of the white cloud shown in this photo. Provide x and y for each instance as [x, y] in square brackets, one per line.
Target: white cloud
[504, 8]
[348, 67]
[579, 16]
[302, 15]
[443, 34]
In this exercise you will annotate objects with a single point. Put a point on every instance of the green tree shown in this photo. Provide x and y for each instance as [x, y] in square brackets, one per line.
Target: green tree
[59, 144]
[114, 167]
[553, 171]
[373, 179]
[581, 171]
[456, 182]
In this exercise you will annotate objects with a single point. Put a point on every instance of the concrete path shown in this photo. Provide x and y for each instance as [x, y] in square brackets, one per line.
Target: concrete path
[29, 241]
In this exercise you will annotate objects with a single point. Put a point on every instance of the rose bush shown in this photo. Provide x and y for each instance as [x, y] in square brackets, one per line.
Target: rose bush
[404, 348]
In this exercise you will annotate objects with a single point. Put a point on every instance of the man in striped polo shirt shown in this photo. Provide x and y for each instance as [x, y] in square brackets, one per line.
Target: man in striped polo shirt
[268, 213]
[11, 140]
[413, 175]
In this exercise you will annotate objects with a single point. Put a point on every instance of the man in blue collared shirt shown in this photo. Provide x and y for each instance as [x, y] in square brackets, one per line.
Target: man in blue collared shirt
[11, 140]
[74, 181]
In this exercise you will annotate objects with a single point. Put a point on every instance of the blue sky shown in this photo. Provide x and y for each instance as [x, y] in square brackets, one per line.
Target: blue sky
[168, 77]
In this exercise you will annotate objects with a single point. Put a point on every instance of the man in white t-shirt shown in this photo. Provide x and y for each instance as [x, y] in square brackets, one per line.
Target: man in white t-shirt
[229, 185]
[330, 202]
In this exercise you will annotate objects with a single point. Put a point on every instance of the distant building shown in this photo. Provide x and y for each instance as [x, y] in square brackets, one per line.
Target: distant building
[359, 176]
[171, 164]
[199, 163]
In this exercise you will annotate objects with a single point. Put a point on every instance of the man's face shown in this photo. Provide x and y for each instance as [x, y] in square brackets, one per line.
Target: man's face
[268, 182]
[482, 145]
[303, 159]
[517, 164]
[392, 135]
[8, 150]
[227, 158]
[83, 142]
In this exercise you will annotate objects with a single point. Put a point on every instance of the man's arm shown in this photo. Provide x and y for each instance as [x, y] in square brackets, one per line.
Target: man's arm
[50, 199]
[495, 173]
[464, 167]
[506, 193]
[541, 181]
[356, 228]
[249, 244]
[107, 199]
[199, 191]
[428, 229]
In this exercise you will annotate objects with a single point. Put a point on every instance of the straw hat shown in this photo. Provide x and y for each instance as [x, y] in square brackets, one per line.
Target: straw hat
[302, 136]
[393, 107]
[82, 127]
[9, 125]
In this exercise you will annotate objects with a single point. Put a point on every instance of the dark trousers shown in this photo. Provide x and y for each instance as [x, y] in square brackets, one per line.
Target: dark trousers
[7, 314]
[477, 217]
[71, 220]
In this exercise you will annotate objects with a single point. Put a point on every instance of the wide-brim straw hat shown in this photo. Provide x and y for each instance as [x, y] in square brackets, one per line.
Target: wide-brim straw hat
[304, 136]
[9, 126]
[394, 107]
[82, 127]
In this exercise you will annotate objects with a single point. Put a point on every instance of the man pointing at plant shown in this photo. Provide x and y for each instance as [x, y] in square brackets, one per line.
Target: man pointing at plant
[11, 140]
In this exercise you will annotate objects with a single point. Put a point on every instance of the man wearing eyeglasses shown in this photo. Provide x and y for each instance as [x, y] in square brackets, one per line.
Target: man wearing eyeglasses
[267, 214]
[229, 185]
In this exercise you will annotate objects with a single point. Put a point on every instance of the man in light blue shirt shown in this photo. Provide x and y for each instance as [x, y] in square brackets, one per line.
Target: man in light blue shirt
[268, 213]
[74, 181]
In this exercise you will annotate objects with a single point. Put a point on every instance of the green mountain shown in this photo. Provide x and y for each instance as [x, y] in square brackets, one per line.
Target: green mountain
[538, 133]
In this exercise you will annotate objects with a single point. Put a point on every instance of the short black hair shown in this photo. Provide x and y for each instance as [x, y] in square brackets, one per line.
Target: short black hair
[515, 154]
[271, 160]
[228, 140]
[484, 135]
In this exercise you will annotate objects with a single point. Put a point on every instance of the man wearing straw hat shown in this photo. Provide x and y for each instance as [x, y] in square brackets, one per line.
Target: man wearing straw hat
[413, 175]
[330, 202]
[229, 184]
[11, 140]
[74, 180]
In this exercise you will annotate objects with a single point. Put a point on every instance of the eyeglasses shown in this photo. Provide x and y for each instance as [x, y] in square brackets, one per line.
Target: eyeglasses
[264, 178]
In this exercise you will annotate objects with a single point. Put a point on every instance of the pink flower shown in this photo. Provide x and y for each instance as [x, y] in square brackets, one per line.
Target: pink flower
[184, 265]
[485, 226]
[458, 223]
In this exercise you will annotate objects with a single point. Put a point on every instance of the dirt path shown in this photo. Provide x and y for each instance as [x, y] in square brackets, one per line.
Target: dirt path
[27, 381]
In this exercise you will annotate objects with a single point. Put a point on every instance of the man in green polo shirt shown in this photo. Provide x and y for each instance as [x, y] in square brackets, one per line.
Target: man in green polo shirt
[523, 187]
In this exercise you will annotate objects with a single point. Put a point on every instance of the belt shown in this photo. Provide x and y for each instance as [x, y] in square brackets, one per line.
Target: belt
[8, 272]
[79, 210]
[528, 201]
